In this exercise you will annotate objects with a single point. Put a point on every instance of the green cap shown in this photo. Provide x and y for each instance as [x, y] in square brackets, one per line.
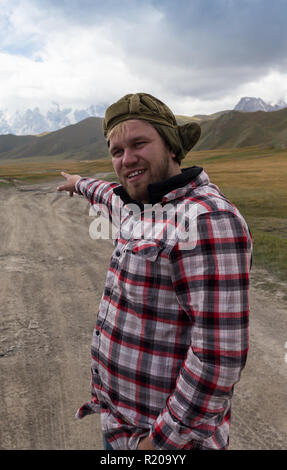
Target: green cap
[148, 108]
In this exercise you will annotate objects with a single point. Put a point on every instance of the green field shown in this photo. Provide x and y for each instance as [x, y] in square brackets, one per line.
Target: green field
[253, 178]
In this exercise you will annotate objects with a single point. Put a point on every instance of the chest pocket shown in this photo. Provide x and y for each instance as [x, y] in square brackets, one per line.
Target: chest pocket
[140, 274]
[147, 250]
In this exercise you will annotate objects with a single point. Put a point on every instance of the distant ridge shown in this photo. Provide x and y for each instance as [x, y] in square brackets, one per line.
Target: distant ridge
[243, 129]
[36, 121]
[9, 141]
[200, 117]
[85, 141]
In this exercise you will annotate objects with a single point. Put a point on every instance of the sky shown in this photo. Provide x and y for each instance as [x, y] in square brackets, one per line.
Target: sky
[198, 56]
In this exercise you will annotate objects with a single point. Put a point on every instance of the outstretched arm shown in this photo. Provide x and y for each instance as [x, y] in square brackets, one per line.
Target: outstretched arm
[99, 193]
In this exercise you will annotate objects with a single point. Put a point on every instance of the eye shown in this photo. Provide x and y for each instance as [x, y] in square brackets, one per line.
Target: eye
[139, 144]
[116, 152]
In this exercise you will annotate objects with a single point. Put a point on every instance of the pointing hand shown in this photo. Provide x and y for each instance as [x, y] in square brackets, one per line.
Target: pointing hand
[70, 183]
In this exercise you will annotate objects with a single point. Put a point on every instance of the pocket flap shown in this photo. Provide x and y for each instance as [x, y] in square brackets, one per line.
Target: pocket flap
[147, 249]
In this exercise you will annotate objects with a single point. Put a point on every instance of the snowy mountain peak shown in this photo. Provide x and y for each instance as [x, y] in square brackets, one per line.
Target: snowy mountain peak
[250, 104]
[33, 121]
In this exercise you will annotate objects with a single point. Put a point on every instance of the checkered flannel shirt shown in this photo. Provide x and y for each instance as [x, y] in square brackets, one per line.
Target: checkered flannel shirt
[171, 336]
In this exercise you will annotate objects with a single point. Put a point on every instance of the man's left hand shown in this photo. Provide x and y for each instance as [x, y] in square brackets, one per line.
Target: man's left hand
[145, 444]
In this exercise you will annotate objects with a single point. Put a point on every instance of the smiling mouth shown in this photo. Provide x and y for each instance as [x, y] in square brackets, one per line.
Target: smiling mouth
[135, 174]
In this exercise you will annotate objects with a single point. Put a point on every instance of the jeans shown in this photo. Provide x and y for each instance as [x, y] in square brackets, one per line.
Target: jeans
[107, 445]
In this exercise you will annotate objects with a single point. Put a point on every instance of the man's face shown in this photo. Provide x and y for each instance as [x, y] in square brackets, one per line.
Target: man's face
[140, 157]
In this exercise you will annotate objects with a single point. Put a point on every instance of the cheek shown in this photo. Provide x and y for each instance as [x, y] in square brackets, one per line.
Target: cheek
[116, 165]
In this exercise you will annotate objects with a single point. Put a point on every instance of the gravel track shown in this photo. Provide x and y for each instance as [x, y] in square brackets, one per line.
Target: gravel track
[51, 279]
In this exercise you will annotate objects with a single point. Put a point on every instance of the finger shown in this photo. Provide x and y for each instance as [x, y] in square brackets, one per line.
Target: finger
[66, 175]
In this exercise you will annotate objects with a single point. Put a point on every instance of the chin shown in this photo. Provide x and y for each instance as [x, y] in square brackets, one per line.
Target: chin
[137, 195]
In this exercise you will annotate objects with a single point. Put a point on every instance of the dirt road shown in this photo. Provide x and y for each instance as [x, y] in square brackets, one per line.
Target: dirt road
[51, 279]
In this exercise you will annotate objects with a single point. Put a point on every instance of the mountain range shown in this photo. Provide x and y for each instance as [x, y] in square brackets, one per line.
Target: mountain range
[35, 122]
[249, 104]
[84, 140]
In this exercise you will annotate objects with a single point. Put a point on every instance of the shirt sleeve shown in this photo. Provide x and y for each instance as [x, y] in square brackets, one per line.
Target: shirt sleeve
[101, 196]
[211, 284]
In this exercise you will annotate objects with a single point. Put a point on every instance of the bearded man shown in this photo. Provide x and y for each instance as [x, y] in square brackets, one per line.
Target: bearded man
[171, 336]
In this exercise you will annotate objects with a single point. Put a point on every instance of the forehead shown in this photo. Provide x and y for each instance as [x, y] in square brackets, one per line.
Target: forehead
[130, 130]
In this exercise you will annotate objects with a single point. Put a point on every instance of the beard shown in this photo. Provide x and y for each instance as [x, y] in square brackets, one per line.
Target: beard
[154, 173]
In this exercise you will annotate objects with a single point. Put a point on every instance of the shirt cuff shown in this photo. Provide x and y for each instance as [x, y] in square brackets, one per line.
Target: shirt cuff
[88, 408]
[79, 186]
[168, 434]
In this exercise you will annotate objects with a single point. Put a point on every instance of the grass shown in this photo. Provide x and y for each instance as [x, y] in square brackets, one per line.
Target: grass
[36, 170]
[253, 178]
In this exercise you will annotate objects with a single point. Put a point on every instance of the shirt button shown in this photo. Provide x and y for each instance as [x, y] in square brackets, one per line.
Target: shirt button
[96, 371]
[118, 253]
[97, 333]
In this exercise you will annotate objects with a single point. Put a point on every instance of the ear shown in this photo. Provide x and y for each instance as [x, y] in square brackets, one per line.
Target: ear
[172, 155]
[174, 161]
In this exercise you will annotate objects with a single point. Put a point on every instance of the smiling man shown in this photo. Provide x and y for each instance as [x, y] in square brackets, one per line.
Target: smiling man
[140, 157]
[171, 336]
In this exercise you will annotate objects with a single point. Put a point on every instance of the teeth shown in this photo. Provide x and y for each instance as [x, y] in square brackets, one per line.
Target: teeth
[135, 173]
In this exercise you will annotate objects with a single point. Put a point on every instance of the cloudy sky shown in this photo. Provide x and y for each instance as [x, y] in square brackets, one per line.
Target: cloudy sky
[199, 56]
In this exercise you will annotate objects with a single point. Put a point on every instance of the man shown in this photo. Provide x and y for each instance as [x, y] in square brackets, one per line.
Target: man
[171, 337]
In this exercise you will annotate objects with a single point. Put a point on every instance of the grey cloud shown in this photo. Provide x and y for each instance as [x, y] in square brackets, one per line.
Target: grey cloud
[207, 48]
[95, 12]
[248, 31]
[201, 32]
[201, 48]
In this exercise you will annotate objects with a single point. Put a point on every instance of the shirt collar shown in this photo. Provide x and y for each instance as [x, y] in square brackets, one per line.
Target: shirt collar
[157, 191]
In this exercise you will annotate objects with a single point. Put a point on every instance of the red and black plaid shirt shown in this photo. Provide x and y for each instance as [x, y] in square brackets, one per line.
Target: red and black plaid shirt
[171, 336]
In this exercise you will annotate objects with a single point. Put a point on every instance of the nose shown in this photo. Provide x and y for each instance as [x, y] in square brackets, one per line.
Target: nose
[129, 157]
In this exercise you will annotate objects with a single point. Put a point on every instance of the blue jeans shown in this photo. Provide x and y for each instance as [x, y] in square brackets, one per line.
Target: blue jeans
[107, 445]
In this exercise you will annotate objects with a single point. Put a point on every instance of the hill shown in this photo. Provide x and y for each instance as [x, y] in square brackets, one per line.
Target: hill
[9, 142]
[83, 140]
[238, 129]
[199, 118]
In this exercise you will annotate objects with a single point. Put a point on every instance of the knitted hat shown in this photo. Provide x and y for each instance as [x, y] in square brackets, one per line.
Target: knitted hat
[144, 106]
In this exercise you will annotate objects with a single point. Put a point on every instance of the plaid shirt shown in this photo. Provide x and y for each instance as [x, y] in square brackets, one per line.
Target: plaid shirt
[171, 336]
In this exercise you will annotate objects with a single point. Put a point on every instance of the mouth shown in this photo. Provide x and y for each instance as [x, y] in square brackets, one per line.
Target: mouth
[135, 175]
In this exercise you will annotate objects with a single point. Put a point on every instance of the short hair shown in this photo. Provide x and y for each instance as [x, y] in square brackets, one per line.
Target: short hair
[120, 129]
